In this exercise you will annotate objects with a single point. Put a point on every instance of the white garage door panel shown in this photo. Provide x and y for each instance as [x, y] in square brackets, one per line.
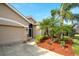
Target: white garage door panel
[12, 34]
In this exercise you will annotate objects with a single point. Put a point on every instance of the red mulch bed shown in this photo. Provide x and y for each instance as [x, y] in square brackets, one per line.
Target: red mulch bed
[56, 47]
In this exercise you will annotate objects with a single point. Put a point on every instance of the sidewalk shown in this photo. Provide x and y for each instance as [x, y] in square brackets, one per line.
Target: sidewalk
[27, 49]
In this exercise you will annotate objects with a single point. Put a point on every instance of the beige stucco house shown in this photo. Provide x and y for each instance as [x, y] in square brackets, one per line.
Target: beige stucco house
[14, 27]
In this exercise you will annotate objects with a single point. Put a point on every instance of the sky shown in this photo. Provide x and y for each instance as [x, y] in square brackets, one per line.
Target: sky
[38, 11]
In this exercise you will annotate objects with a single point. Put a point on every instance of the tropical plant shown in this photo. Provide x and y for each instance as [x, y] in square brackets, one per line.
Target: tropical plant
[64, 13]
[62, 43]
[44, 25]
[38, 38]
[48, 26]
[55, 26]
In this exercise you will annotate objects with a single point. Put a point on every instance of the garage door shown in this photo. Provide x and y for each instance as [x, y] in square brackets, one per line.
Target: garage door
[12, 34]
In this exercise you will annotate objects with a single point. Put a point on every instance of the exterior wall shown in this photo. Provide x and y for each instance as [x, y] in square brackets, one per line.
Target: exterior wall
[11, 31]
[32, 21]
[36, 30]
[6, 12]
[9, 34]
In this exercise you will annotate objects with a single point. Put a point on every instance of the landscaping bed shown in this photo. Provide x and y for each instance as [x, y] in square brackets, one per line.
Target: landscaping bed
[56, 47]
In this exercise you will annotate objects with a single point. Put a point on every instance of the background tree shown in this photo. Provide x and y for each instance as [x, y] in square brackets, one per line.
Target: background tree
[48, 26]
[64, 13]
[44, 25]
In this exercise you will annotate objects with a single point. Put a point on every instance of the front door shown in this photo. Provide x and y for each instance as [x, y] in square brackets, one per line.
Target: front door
[30, 30]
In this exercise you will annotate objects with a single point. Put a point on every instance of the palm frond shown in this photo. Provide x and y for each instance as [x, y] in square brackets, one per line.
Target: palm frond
[55, 12]
[71, 5]
[76, 16]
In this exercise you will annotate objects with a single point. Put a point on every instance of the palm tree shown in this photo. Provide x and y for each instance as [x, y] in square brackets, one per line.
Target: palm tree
[68, 7]
[44, 25]
[64, 13]
[47, 26]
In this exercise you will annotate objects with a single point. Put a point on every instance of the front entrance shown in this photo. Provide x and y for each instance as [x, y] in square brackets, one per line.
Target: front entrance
[31, 30]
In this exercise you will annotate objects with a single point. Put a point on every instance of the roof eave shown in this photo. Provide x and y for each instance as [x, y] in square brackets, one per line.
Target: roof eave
[16, 11]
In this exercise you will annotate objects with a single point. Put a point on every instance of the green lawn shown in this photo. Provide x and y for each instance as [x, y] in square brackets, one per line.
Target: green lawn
[76, 45]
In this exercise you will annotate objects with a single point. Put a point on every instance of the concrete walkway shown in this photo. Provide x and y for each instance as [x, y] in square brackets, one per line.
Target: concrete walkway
[27, 49]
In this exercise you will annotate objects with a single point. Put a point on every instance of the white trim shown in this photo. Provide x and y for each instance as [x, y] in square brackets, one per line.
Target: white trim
[11, 21]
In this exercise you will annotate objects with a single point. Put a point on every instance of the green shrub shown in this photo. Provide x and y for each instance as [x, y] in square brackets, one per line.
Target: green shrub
[38, 38]
[76, 46]
[76, 36]
[62, 43]
[66, 38]
[55, 39]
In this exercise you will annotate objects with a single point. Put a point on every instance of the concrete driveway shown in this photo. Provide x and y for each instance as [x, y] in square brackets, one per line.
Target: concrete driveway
[27, 49]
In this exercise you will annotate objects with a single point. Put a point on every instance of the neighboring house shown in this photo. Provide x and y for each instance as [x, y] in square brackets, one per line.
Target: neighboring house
[76, 27]
[14, 27]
